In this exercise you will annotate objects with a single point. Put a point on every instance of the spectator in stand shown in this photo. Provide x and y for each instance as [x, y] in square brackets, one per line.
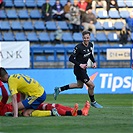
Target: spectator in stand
[102, 3]
[75, 17]
[2, 3]
[47, 11]
[83, 6]
[113, 3]
[124, 36]
[67, 10]
[58, 35]
[129, 22]
[89, 20]
[58, 11]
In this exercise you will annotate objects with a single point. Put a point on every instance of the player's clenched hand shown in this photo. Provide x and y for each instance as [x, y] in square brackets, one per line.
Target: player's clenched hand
[83, 66]
[94, 65]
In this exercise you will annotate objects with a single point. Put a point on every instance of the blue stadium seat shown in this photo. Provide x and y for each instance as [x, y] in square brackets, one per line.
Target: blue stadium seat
[70, 26]
[92, 37]
[129, 3]
[4, 25]
[67, 37]
[2, 14]
[27, 25]
[30, 3]
[40, 3]
[8, 36]
[101, 58]
[132, 36]
[101, 37]
[16, 25]
[11, 14]
[39, 25]
[37, 51]
[77, 37]
[35, 14]
[9, 3]
[52, 58]
[117, 45]
[59, 46]
[121, 4]
[20, 36]
[62, 58]
[44, 37]
[19, 3]
[23, 14]
[51, 25]
[1, 38]
[108, 26]
[32, 37]
[104, 47]
[47, 50]
[96, 46]
[112, 37]
[114, 14]
[63, 2]
[102, 14]
[98, 26]
[63, 25]
[40, 58]
[70, 47]
[52, 36]
[52, 2]
[118, 25]
[124, 14]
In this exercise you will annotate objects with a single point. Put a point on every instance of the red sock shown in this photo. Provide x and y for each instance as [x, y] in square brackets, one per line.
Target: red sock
[18, 97]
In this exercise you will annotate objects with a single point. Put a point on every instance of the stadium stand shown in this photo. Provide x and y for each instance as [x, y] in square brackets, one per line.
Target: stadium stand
[20, 36]
[1, 37]
[23, 21]
[44, 37]
[12, 14]
[8, 36]
[39, 25]
[108, 25]
[4, 25]
[16, 25]
[3, 14]
[19, 3]
[27, 25]
[35, 14]
[23, 14]
[32, 37]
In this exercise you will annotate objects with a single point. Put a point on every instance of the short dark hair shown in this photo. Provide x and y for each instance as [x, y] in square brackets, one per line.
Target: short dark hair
[85, 32]
[3, 72]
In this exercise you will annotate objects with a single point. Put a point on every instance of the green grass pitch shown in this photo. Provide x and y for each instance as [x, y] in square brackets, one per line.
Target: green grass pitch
[115, 117]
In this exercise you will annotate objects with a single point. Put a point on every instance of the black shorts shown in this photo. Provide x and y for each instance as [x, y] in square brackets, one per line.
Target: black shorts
[81, 74]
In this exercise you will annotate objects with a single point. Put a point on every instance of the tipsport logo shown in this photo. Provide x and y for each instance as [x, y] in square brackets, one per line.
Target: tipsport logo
[109, 81]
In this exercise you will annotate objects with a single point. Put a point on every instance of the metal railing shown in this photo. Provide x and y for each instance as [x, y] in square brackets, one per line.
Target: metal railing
[66, 51]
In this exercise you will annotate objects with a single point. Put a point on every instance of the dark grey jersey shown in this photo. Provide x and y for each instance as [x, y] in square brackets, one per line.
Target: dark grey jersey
[81, 54]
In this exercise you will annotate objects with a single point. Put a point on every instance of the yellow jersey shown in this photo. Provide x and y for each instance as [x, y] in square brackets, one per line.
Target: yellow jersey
[24, 84]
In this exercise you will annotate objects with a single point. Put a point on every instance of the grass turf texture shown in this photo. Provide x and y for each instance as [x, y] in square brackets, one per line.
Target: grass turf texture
[115, 117]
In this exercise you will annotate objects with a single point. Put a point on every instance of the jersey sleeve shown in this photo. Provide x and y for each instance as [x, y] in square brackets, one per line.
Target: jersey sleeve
[72, 57]
[12, 86]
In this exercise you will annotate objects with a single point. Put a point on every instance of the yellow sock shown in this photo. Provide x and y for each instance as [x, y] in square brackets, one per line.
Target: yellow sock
[39, 113]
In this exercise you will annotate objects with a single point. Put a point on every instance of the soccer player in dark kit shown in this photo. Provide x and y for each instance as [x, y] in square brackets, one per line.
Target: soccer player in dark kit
[80, 56]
